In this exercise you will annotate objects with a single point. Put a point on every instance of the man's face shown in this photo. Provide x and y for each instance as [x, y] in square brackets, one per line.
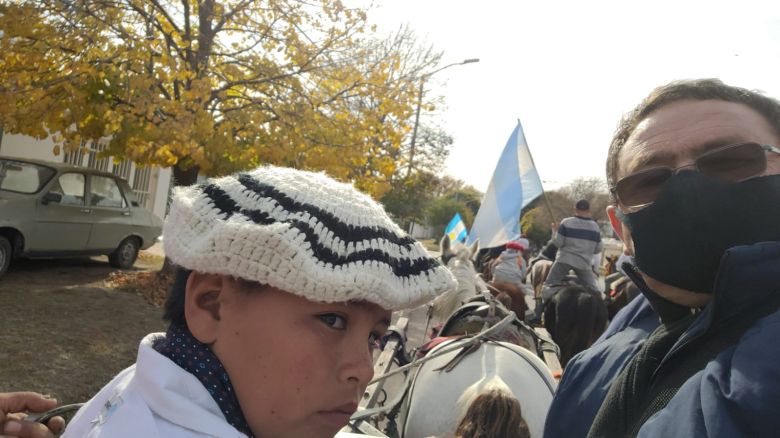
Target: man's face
[298, 367]
[675, 135]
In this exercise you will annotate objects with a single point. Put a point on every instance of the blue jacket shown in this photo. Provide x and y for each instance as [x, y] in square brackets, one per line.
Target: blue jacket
[589, 374]
[737, 394]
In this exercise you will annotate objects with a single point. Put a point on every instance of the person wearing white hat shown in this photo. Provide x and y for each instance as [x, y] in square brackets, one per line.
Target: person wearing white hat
[285, 280]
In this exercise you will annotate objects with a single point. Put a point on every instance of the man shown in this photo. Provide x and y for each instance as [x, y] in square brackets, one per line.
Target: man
[577, 238]
[695, 174]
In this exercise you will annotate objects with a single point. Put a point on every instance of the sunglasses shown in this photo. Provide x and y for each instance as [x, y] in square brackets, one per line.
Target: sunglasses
[732, 163]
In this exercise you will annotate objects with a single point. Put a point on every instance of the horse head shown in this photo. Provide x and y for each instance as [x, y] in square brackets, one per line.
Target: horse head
[459, 259]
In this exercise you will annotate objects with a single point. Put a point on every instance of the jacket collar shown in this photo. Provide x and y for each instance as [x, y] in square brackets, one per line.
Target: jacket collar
[176, 395]
[748, 277]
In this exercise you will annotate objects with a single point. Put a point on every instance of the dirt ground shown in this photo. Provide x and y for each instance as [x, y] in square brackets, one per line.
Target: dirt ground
[65, 330]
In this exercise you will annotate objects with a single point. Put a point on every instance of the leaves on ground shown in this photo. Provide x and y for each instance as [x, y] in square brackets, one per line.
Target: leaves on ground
[152, 285]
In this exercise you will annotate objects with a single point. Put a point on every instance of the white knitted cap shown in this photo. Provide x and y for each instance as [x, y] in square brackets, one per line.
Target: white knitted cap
[304, 233]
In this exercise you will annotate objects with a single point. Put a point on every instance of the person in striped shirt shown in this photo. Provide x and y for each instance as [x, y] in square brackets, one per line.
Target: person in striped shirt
[578, 238]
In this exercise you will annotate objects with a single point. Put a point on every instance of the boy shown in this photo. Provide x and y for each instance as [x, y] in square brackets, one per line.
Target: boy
[286, 280]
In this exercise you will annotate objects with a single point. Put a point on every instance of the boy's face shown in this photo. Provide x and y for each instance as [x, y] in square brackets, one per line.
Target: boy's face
[298, 368]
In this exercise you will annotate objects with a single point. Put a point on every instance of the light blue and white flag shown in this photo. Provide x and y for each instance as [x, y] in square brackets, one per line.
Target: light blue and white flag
[514, 185]
[456, 229]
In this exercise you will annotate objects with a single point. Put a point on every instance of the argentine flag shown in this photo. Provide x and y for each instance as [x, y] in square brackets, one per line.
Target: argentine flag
[514, 185]
[456, 229]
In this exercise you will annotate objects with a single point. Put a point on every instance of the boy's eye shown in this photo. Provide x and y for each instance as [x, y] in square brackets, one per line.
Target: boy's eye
[337, 322]
[374, 340]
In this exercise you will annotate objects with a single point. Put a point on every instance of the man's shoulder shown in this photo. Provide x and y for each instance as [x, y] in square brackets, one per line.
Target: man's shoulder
[588, 377]
[739, 389]
[579, 221]
[568, 220]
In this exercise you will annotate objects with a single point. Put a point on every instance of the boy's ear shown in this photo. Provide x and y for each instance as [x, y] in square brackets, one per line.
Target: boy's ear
[202, 299]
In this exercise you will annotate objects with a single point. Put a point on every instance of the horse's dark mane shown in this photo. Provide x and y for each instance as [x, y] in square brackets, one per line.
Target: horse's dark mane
[493, 414]
[575, 317]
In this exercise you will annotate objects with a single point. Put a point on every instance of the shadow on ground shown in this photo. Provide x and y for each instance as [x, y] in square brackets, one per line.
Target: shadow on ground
[63, 331]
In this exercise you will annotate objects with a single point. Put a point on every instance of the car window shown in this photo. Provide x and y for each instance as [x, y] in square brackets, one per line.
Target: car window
[18, 176]
[104, 192]
[71, 187]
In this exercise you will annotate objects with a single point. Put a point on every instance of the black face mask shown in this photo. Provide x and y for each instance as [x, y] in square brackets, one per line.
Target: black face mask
[681, 238]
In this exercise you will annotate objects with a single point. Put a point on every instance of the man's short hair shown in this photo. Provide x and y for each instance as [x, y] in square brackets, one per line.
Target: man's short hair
[582, 205]
[174, 304]
[697, 89]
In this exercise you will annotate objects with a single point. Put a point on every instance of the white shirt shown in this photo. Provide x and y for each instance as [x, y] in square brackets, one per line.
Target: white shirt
[154, 398]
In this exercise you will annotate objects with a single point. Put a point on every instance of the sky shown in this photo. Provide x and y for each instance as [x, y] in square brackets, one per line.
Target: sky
[569, 69]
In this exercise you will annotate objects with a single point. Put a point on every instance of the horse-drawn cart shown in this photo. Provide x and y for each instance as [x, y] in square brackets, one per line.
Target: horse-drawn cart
[481, 347]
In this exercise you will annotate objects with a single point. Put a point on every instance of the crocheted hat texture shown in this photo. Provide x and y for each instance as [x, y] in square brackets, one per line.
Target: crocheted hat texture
[304, 233]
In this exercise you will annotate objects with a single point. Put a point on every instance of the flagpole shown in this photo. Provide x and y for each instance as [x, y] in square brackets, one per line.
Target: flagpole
[544, 193]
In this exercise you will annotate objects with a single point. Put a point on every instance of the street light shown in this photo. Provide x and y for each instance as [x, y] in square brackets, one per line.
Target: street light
[425, 77]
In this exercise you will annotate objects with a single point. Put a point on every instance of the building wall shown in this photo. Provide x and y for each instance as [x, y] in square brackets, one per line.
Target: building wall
[151, 185]
[160, 196]
[420, 231]
[22, 146]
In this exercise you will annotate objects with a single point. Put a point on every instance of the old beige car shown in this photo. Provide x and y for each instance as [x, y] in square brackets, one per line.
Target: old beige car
[56, 210]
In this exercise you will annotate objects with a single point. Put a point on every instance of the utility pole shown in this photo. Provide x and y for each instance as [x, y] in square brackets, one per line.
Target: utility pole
[424, 78]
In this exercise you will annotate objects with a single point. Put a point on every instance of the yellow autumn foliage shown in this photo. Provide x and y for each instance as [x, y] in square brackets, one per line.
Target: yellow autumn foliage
[221, 85]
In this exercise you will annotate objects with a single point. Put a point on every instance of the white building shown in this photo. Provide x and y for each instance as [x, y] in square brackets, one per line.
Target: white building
[150, 184]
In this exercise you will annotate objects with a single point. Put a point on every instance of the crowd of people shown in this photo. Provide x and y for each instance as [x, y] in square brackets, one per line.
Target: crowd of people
[270, 255]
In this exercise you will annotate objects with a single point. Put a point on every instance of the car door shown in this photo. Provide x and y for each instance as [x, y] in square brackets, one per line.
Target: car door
[62, 226]
[111, 217]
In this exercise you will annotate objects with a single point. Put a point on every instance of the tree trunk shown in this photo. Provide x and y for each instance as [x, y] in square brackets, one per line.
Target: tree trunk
[181, 177]
[185, 177]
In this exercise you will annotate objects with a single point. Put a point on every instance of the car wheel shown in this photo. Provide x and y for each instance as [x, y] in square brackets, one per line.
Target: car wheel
[125, 254]
[5, 255]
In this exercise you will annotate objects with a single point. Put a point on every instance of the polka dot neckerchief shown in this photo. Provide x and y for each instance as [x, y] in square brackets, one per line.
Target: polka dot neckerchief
[180, 346]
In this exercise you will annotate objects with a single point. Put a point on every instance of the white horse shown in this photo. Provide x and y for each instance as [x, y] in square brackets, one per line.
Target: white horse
[479, 379]
[459, 259]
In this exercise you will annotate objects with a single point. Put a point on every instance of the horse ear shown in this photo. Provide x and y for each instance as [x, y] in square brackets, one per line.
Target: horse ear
[445, 245]
[474, 249]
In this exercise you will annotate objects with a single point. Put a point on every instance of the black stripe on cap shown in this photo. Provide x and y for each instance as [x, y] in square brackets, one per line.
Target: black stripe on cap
[401, 267]
[346, 232]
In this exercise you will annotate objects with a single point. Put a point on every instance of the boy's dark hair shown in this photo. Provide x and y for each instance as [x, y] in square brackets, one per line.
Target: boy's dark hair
[174, 304]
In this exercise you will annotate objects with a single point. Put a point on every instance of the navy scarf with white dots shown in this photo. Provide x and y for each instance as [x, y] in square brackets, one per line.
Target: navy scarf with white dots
[195, 357]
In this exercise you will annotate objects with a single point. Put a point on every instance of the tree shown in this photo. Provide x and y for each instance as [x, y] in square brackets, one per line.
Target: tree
[590, 188]
[209, 86]
[409, 199]
[443, 209]
[432, 147]
[454, 196]
[536, 220]
[533, 228]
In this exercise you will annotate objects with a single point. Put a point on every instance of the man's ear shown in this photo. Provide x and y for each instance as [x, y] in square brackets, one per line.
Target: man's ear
[202, 300]
[623, 234]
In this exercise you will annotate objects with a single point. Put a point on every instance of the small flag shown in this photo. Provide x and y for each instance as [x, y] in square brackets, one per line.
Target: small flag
[514, 185]
[456, 229]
